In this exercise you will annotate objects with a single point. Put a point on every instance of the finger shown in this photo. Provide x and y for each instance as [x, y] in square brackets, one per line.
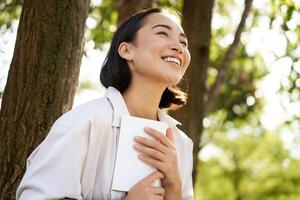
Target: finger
[157, 190]
[148, 151]
[152, 162]
[158, 197]
[152, 177]
[155, 144]
[159, 136]
[170, 134]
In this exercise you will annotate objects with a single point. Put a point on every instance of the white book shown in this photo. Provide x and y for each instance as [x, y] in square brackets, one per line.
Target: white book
[129, 169]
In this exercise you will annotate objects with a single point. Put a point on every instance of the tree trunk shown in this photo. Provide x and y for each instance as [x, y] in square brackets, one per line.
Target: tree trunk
[42, 81]
[128, 7]
[197, 17]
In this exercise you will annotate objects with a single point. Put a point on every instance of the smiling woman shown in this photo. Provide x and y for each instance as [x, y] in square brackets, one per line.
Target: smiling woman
[147, 59]
[141, 48]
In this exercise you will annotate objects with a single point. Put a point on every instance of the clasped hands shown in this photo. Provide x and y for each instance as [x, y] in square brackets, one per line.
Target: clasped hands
[159, 153]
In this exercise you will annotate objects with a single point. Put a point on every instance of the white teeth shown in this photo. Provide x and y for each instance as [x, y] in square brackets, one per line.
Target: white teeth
[172, 59]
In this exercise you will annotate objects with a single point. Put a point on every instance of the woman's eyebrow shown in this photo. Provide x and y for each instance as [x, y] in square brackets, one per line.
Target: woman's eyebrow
[167, 27]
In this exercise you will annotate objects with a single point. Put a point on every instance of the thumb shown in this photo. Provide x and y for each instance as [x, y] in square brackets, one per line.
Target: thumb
[170, 134]
[153, 176]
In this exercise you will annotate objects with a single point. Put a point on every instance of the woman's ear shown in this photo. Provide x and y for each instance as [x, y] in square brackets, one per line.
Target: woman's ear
[125, 50]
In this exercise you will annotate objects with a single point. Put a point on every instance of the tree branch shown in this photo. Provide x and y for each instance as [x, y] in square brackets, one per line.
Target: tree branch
[214, 91]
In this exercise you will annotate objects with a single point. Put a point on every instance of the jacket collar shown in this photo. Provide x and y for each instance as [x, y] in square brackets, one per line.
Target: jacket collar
[120, 109]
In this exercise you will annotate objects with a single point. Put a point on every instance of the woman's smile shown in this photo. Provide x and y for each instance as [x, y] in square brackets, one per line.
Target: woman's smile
[173, 60]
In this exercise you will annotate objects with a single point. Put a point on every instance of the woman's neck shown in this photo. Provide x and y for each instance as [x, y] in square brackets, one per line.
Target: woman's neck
[142, 100]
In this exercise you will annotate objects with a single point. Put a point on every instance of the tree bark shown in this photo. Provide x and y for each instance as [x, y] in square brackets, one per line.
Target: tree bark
[197, 17]
[42, 81]
[128, 7]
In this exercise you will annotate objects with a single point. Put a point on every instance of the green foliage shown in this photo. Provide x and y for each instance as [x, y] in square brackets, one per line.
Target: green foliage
[285, 13]
[244, 72]
[240, 85]
[85, 85]
[250, 167]
[105, 15]
[173, 4]
[252, 163]
[9, 10]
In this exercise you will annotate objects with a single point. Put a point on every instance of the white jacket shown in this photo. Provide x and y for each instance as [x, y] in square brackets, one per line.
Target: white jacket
[76, 159]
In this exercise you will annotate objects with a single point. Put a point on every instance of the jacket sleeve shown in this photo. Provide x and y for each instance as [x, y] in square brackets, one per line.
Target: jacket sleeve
[54, 169]
[188, 191]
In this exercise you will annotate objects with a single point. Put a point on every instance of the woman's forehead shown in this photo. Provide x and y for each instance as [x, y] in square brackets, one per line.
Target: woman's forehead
[163, 19]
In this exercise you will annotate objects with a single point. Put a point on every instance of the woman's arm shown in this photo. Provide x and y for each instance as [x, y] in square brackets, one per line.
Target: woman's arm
[54, 168]
[172, 192]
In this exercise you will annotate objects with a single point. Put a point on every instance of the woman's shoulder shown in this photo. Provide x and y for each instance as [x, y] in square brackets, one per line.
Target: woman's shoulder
[95, 110]
[183, 137]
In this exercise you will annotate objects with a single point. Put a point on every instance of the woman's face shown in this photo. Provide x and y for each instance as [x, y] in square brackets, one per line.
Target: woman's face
[159, 52]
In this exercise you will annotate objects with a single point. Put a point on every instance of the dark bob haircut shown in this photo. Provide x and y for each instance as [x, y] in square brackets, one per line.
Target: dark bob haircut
[115, 71]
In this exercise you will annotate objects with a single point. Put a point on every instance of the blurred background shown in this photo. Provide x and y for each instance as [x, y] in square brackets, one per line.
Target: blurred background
[244, 99]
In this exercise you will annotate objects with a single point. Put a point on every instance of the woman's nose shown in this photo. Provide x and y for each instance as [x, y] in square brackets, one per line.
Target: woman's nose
[176, 46]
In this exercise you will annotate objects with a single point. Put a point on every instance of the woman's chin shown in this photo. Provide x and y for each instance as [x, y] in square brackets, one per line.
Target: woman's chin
[170, 79]
[174, 81]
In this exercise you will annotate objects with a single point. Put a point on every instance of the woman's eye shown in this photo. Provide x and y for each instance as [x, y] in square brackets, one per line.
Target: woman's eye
[162, 33]
[184, 43]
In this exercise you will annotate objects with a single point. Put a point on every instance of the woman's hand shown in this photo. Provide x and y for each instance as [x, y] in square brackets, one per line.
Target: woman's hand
[144, 190]
[160, 154]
